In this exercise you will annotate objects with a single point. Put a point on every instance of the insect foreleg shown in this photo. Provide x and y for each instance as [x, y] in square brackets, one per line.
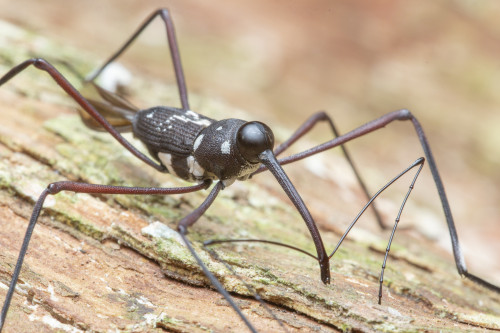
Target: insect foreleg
[76, 187]
[404, 115]
[189, 220]
[305, 128]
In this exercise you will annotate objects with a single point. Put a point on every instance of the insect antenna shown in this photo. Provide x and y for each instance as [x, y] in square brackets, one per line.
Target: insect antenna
[396, 222]
[211, 242]
[419, 162]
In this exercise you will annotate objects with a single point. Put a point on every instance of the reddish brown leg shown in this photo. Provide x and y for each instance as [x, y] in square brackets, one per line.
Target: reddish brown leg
[404, 115]
[307, 126]
[174, 53]
[55, 188]
[73, 93]
[182, 227]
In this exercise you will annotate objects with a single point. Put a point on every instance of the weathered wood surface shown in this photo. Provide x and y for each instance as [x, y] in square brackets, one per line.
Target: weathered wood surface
[93, 267]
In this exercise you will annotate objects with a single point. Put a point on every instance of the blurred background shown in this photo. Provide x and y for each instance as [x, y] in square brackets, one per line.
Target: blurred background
[283, 60]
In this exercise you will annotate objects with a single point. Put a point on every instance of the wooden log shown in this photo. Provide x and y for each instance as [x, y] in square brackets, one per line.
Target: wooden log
[100, 263]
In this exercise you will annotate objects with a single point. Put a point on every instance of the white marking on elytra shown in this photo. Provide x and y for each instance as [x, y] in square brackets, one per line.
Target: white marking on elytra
[225, 148]
[196, 120]
[194, 168]
[192, 114]
[218, 128]
[197, 142]
[166, 159]
[150, 115]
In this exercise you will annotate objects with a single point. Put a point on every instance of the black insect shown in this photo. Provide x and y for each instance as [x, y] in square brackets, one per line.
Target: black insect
[198, 149]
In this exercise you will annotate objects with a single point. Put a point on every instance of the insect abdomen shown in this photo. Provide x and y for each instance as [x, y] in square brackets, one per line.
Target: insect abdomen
[169, 135]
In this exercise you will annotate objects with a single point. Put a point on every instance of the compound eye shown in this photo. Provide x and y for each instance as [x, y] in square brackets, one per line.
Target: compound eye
[252, 139]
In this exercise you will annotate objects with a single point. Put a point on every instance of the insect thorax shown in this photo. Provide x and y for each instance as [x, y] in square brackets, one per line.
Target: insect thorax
[191, 146]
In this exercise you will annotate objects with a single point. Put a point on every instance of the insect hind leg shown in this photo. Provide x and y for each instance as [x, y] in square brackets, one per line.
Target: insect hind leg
[174, 52]
[44, 65]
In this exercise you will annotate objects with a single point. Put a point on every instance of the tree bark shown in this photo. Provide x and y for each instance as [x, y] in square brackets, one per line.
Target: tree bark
[102, 262]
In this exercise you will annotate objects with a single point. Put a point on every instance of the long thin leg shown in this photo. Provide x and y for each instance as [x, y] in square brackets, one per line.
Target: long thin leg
[189, 220]
[55, 188]
[217, 284]
[73, 93]
[403, 115]
[307, 126]
[249, 287]
[174, 53]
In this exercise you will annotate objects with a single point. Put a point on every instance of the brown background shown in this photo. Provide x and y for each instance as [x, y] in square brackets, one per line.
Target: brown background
[283, 60]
